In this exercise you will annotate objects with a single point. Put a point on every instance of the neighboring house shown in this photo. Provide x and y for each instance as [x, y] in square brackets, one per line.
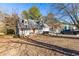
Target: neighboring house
[67, 26]
[58, 27]
[29, 26]
[54, 26]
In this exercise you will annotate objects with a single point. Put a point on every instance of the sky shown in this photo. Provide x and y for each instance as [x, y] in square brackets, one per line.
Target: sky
[44, 8]
[19, 7]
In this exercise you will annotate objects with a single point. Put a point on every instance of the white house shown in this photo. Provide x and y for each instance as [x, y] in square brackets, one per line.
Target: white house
[26, 27]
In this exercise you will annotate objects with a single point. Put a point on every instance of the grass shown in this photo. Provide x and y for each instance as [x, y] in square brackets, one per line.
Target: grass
[40, 45]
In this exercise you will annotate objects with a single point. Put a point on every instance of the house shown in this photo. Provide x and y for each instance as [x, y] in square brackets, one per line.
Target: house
[67, 26]
[30, 26]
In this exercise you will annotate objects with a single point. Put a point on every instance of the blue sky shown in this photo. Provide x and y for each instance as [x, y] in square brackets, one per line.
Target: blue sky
[19, 7]
[44, 8]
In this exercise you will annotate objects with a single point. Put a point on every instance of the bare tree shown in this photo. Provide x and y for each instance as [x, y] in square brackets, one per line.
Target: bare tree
[68, 11]
[11, 22]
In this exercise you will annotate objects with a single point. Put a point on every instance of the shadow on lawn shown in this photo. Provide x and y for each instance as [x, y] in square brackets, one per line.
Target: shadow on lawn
[59, 49]
[62, 50]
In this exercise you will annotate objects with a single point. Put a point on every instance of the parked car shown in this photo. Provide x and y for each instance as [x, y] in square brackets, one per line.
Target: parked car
[77, 31]
[70, 32]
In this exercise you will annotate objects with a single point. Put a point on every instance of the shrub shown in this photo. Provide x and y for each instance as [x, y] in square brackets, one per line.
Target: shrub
[10, 31]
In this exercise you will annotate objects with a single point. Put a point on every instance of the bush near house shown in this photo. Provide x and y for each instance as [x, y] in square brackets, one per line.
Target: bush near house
[10, 31]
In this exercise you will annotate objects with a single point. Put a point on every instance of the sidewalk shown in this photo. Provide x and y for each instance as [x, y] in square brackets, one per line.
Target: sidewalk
[65, 36]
